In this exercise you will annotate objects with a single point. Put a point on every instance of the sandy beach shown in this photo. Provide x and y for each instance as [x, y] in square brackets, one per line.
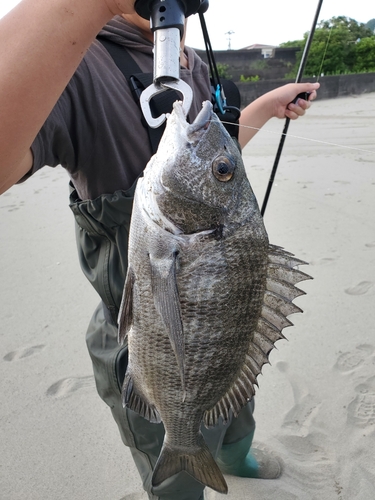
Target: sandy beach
[315, 407]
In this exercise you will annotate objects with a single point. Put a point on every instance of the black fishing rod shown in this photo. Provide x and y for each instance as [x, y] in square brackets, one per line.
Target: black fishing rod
[304, 95]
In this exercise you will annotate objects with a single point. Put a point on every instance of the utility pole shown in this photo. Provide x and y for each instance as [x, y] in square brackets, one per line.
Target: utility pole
[229, 33]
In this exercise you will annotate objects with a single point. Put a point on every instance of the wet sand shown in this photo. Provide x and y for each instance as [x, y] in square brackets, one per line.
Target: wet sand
[315, 407]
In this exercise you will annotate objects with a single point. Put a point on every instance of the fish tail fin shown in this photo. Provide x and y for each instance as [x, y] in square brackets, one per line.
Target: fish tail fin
[200, 464]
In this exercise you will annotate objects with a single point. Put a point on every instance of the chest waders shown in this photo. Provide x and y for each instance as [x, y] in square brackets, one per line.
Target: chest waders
[102, 232]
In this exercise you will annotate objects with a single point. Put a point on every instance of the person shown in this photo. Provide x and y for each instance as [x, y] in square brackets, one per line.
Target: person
[64, 101]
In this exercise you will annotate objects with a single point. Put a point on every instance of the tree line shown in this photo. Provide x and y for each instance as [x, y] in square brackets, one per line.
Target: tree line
[340, 46]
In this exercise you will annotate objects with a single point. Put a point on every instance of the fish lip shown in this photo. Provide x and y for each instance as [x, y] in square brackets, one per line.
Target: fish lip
[202, 120]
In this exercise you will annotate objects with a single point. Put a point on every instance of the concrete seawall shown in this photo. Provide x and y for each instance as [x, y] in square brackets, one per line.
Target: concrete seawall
[330, 86]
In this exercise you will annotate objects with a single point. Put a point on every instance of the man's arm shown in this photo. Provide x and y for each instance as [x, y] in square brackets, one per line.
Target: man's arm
[277, 103]
[42, 43]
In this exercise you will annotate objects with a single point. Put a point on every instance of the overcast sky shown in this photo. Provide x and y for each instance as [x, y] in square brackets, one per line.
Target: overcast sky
[263, 21]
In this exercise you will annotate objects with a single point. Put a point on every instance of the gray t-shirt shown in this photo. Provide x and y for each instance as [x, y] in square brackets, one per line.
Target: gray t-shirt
[95, 130]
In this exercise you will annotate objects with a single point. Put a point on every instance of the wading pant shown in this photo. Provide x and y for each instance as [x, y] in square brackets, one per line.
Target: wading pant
[142, 437]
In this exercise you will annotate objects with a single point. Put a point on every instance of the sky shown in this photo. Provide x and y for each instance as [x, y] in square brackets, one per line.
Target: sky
[263, 21]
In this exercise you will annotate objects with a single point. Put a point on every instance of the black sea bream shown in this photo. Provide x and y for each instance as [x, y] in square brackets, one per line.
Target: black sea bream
[206, 295]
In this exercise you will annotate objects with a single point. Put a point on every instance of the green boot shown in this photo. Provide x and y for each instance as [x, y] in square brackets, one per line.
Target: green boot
[237, 459]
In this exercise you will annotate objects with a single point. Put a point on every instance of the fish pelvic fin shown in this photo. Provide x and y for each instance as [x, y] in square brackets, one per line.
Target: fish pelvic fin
[199, 464]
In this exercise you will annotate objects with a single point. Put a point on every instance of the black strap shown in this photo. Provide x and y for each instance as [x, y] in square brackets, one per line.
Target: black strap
[229, 93]
[163, 102]
[138, 81]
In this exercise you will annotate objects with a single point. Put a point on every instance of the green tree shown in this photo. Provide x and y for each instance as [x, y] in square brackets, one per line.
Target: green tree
[294, 43]
[365, 55]
[333, 49]
[356, 29]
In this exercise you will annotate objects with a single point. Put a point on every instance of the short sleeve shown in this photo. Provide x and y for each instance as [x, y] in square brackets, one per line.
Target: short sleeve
[66, 134]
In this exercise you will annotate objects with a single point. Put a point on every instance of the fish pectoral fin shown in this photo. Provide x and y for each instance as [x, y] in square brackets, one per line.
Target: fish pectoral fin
[167, 303]
[199, 464]
[125, 317]
[131, 399]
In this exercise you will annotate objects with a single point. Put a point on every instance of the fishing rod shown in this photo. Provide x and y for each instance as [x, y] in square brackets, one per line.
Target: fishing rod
[304, 95]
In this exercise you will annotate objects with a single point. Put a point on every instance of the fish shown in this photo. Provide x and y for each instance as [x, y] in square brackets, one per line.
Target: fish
[206, 295]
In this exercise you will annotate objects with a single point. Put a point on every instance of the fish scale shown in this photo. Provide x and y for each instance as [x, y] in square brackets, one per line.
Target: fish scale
[206, 296]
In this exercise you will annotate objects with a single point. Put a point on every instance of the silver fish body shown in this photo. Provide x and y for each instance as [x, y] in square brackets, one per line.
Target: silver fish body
[206, 295]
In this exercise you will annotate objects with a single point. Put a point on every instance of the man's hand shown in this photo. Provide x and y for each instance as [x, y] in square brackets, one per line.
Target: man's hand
[283, 97]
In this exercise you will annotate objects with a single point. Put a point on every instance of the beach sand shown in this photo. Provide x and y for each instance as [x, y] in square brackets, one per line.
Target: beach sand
[315, 406]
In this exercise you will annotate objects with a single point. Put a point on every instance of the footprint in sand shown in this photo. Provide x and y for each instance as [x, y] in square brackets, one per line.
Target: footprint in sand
[23, 353]
[68, 386]
[327, 260]
[11, 208]
[306, 406]
[309, 456]
[135, 496]
[351, 360]
[300, 417]
[361, 410]
[360, 289]
[310, 466]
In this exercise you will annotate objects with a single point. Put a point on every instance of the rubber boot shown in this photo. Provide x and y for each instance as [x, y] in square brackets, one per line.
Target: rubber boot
[239, 459]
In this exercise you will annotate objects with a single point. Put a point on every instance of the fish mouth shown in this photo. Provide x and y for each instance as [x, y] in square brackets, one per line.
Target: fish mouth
[200, 124]
[203, 119]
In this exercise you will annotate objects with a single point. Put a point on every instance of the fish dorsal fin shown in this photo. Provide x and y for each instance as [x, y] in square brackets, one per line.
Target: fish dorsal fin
[125, 317]
[167, 303]
[131, 399]
[277, 305]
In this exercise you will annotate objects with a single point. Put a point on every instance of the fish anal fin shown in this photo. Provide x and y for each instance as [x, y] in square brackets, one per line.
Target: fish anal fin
[131, 399]
[240, 393]
[199, 464]
[167, 303]
[125, 317]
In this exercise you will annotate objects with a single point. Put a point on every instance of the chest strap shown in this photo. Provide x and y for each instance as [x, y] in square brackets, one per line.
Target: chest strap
[138, 81]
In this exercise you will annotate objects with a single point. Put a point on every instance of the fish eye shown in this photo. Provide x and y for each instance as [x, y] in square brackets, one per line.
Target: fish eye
[223, 168]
